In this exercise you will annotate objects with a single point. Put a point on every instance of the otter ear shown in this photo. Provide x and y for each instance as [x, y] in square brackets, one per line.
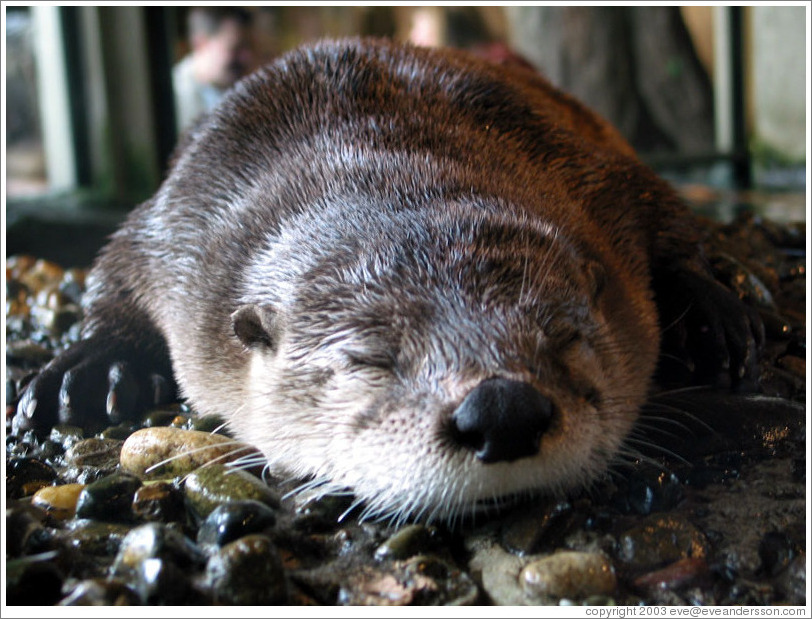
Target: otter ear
[256, 326]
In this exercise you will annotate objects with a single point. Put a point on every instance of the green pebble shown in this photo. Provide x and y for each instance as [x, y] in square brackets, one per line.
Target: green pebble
[661, 539]
[247, 571]
[119, 432]
[407, 542]
[109, 498]
[209, 423]
[215, 484]
[159, 418]
[96, 452]
[94, 537]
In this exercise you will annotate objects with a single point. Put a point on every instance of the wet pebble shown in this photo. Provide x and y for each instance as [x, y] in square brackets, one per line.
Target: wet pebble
[653, 491]
[21, 522]
[55, 320]
[160, 581]
[407, 542]
[33, 580]
[321, 512]
[66, 436]
[164, 452]
[529, 533]
[38, 275]
[569, 574]
[27, 353]
[159, 418]
[58, 501]
[451, 586]
[213, 485]
[119, 432]
[109, 498]
[232, 521]
[156, 541]
[99, 453]
[678, 575]
[101, 592]
[420, 581]
[159, 502]
[207, 423]
[660, 540]
[24, 476]
[247, 571]
[94, 537]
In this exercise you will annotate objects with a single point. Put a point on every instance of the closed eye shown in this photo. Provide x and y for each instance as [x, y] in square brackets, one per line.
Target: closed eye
[370, 359]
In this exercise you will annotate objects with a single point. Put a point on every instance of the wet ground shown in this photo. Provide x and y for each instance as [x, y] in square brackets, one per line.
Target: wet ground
[715, 513]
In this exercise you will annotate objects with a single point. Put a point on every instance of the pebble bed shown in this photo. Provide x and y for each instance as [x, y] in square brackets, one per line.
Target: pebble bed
[107, 519]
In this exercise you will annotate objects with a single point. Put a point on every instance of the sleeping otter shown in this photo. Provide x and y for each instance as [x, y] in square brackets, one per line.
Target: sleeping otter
[399, 270]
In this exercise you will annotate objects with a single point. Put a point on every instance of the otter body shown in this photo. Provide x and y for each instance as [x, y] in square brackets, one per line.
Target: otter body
[403, 271]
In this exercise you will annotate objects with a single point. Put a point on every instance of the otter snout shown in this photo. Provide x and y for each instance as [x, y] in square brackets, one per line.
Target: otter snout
[502, 420]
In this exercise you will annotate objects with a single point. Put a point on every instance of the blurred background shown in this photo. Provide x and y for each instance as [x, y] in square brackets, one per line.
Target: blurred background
[714, 98]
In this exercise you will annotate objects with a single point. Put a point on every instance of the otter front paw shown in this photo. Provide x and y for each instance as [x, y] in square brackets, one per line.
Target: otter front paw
[93, 384]
[710, 336]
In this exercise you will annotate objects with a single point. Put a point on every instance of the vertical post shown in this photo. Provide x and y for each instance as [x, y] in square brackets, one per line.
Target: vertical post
[729, 92]
[741, 150]
[57, 129]
[160, 72]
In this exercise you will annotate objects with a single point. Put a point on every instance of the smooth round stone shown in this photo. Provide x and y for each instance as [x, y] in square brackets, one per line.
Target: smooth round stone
[32, 582]
[407, 542]
[100, 453]
[163, 452]
[247, 571]
[120, 432]
[55, 320]
[320, 513]
[159, 502]
[101, 592]
[542, 528]
[569, 574]
[159, 418]
[451, 586]
[24, 476]
[66, 435]
[58, 501]
[213, 485]
[22, 521]
[660, 540]
[232, 521]
[160, 581]
[94, 537]
[109, 498]
[156, 541]
[27, 353]
[680, 574]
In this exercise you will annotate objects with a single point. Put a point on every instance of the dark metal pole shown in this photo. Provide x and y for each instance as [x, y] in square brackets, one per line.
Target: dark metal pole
[742, 175]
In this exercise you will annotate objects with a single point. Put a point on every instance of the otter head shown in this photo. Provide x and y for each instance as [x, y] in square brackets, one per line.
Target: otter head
[437, 360]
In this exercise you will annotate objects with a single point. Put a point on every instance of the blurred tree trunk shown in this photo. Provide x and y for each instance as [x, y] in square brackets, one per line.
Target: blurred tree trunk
[636, 66]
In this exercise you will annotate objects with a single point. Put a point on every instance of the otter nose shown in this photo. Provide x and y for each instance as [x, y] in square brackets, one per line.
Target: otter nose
[502, 420]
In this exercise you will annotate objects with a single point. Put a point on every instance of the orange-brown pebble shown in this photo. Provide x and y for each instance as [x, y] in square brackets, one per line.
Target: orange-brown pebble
[58, 501]
[42, 273]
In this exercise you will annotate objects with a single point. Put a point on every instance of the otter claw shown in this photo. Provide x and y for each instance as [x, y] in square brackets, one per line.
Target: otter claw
[718, 332]
[91, 387]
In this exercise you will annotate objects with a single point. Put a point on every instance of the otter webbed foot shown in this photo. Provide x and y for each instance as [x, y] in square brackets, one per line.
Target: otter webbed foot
[709, 335]
[94, 384]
